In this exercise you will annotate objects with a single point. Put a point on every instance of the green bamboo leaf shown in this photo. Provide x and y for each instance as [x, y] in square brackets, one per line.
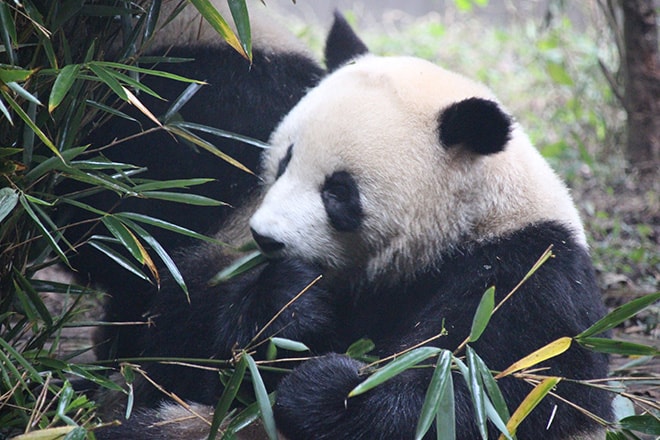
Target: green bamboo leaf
[360, 348]
[221, 133]
[20, 91]
[167, 184]
[239, 13]
[105, 75]
[180, 101]
[440, 392]
[14, 75]
[8, 200]
[137, 85]
[116, 257]
[35, 300]
[46, 234]
[605, 345]
[65, 79]
[167, 225]
[530, 402]
[646, 423]
[397, 366]
[288, 344]
[110, 110]
[53, 163]
[164, 256]
[5, 111]
[228, 396]
[213, 17]
[496, 397]
[25, 118]
[121, 233]
[191, 137]
[620, 314]
[153, 12]
[262, 398]
[483, 314]
[160, 73]
[47, 433]
[27, 365]
[244, 419]
[477, 392]
[238, 267]
[8, 34]
[188, 199]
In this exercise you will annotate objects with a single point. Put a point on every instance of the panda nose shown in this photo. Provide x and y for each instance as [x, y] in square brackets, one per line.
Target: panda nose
[267, 244]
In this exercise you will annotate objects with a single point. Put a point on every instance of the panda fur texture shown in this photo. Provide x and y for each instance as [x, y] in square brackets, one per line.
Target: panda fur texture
[411, 190]
[240, 98]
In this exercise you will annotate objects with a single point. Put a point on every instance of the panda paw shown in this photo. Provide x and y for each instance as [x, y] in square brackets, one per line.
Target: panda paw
[312, 401]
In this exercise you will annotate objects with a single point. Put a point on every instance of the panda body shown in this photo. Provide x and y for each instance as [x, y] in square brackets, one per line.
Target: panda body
[411, 191]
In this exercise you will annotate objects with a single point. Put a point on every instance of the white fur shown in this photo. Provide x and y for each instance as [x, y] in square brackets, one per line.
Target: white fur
[377, 118]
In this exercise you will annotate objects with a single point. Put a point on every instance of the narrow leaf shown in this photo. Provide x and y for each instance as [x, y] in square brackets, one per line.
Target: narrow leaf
[478, 393]
[108, 79]
[360, 347]
[239, 13]
[221, 133]
[262, 398]
[188, 199]
[46, 234]
[646, 423]
[288, 344]
[397, 366]
[8, 200]
[440, 391]
[14, 75]
[180, 101]
[166, 225]
[620, 314]
[238, 267]
[483, 314]
[137, 103]
[46, 434]
[159, 73]
[128, 240]
[65, 79]
[167, 184]
[605, 345]
[7, 31]
[118, 258]
[555, 348]
[529, 403]
[213, 17]
[228, 396]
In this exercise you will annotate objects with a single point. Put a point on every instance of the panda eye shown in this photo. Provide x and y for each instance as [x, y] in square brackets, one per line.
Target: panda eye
[281, 167]
[341, 199]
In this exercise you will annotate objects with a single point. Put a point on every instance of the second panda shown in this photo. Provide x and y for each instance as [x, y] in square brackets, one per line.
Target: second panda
[411, 190]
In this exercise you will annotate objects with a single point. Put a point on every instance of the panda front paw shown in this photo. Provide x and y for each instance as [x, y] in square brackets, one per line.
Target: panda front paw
[312, 401]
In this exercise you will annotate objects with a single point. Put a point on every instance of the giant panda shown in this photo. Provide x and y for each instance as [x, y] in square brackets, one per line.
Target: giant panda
[248, 99]
[411, 190]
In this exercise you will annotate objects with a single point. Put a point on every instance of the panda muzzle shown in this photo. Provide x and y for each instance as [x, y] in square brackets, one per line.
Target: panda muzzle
[268, 245]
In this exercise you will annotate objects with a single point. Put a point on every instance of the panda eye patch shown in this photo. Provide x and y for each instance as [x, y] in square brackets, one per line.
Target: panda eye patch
[281, 167]
[341, 199]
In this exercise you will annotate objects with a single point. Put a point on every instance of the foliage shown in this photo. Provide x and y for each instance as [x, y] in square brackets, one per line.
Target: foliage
[57, 84]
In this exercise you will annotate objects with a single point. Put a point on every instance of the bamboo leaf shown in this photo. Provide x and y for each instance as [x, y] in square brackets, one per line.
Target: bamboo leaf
[117, 258]
[7, 31]
[207, 146]
[262, 398]
[239, 13]
[138, 104]
[228, 396]
[152, 72]
[220, 133]
[494, 393]
[288, 344]
[46, 434]
[108, 79]
[65, 79]
[360, 348]
[620, 314]
[397, 366]
[238, 267]
[180, 101]
[529, 403]
[483, 314]
[188, 199]
[605, 345]
[440, 392]
[244, 419]
[478, 393]
[213, 17]
[646, 423]
[46, 234]
[166, 225]
[15, 75]
[8, 201]
[128, 240]
[554, 348]
[167, 184]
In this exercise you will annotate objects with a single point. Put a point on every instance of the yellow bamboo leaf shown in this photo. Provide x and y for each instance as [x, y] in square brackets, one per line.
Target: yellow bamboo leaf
[46, 434]
[551, 350]
[137, 103]
[146, 257]
[529, 403]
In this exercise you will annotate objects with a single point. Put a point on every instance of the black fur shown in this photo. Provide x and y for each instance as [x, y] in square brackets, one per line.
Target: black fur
[477, 124]
[561, 299]
[341, 198]
[342, 44]
[240, 98]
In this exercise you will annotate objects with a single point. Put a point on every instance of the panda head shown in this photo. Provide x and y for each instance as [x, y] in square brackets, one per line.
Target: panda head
[389, 163]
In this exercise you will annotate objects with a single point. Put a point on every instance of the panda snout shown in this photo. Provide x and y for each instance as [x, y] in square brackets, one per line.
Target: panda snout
[267, 244]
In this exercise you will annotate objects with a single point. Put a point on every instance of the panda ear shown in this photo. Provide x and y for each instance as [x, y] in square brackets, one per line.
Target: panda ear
[477, 124]
[342, 44]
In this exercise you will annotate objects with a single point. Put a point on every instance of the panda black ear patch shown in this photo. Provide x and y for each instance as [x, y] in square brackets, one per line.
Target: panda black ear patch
[342, 44]
[477, 124]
